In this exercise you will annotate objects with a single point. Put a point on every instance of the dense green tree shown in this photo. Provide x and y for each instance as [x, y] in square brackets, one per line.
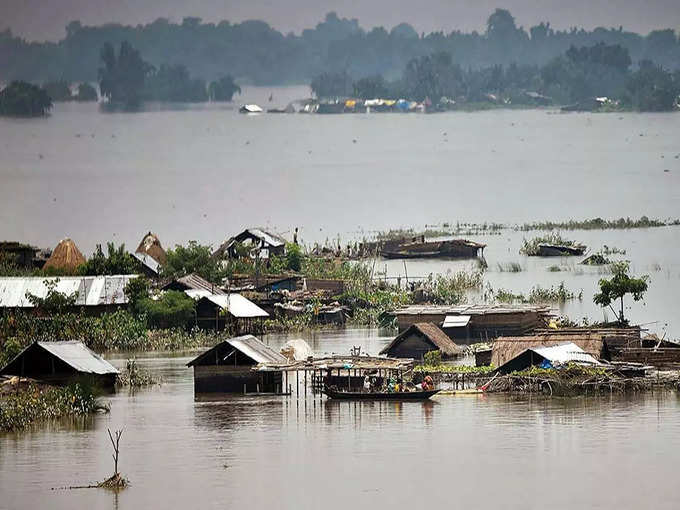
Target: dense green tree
[115, 261]
[223, 89]
[86, 92]
[193, 258]
[122, 77]
[54, 301]
[617, 287]
[58, 90]
[371, 87]
[21, 99]
[173, 83]
[653, 89]
[331, 85]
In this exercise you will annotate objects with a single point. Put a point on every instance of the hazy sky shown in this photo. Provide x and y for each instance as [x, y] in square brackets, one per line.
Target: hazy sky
[46, 19]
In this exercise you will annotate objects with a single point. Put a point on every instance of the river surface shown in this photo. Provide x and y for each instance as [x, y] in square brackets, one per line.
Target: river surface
[471, 451]
[204, 172]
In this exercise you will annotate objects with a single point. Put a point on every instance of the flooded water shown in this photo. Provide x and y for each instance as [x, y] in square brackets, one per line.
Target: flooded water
[456, 451]
[204, 172]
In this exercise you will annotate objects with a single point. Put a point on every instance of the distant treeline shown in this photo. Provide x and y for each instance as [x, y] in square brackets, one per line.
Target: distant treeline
[255, 52]
[579, 76]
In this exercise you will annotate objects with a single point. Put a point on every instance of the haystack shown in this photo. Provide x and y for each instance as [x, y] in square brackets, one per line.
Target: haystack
[65, 256]
[151, 245]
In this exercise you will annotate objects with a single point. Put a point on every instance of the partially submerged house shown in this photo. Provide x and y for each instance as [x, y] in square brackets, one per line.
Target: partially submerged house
[94, 294]
[453, 248]
[65, 257]
[232, 312]
[506, 348]
[259, 242]
[151, 255]
[419, 339]
[230, 367]
[61, 363]
[476, 323]
[548, 357]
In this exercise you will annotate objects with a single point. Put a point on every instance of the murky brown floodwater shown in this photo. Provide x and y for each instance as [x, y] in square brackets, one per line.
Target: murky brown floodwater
[453, 452]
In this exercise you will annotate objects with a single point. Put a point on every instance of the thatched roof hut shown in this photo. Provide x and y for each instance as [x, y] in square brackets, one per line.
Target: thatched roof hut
[151, 245]
[65, 256]
[508, 347]
[419, 339]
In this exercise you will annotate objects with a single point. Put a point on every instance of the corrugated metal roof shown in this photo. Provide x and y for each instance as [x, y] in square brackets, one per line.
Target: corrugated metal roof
[565, 353]
[248, 345]
[92, 290]
[255, 349]
[148, 261]
[193, 281]
[77, 355]
[456, 321]
[236, 305]
[271, 239]
[473, 309]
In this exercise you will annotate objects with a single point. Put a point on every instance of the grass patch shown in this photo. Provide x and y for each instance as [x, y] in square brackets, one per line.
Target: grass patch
[531, 247]
[599, 224]
[509, 267]
[538, 295]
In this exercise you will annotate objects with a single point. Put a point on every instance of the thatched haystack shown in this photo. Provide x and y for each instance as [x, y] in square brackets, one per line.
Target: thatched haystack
[507, 347]
[65, 256]
[151, 245]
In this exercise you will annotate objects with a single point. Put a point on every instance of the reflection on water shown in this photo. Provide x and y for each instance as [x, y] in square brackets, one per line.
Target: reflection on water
[476, 451]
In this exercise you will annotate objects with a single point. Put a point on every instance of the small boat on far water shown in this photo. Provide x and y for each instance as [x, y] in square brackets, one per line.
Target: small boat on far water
[250, 108]
[378, 395]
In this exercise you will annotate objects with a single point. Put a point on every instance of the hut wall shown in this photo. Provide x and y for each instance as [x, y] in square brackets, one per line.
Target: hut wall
[232, 379]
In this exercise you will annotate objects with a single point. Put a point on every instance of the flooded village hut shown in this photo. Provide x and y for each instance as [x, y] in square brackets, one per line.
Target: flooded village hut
[151, 254]
[453, 248]
[61, 363]
[419, 339]
[476, 323]
[263, 243]
[506, 348]
[21, 254]
[232, 312]
[191, 282]
[66, 256]
[94, 294]
[229, 367]
[548, 357]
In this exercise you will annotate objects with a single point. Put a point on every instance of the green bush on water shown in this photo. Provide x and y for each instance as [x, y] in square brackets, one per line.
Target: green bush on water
[19, 410]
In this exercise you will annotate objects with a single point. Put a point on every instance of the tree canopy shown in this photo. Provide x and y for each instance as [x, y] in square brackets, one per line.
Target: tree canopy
[620, 285]
[21, 99]
[193, 258]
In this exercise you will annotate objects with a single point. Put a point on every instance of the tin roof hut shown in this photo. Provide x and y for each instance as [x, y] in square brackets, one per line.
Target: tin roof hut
[229, 367]
[61, 363]
[65, 256]
[258, 239]
[548, 357]
[419, 339]
[507, 348]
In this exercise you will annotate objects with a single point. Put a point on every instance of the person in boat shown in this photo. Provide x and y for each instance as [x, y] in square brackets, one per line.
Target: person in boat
[367, 383]
[428, 383]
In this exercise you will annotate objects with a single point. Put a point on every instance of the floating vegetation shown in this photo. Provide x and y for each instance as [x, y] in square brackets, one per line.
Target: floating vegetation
[599, 224]
[554, 269]
[532, 247]
[538, 295]
[596, 259]
[509, 267]
[611, 250]
[134, 376]
[19, 410]
[450, 288]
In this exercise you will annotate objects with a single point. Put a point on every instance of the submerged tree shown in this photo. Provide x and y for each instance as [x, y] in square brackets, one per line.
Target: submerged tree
[618, 286]
[21, 99]
[173, 83]
[223, 89]
[86, 92]
[122, 78]
[58, 90]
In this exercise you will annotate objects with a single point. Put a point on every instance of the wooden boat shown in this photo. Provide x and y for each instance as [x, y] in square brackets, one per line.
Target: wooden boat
[378, 395]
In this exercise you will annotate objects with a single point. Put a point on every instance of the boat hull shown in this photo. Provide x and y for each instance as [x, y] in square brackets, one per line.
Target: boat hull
[353, 395]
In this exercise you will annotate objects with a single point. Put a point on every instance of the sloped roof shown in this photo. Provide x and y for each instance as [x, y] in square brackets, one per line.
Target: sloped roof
[151, 246]
[74, 354]
[508, 347]
[92, 290]
[269, 239]
[248, 345]
[237, 305]
[65, 256]
[561, 354]
[430, 332]
[148, 261]
[195, 282]
[471, 309]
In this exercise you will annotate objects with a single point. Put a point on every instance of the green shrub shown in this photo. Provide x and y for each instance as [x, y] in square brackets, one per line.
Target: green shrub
[173, 309]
